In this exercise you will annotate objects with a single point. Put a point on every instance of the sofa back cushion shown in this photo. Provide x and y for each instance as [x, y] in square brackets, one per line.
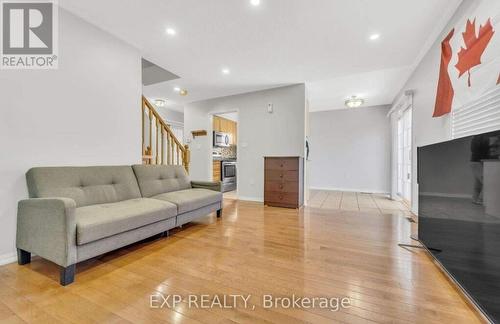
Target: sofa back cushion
[157, 179]
[85, 185]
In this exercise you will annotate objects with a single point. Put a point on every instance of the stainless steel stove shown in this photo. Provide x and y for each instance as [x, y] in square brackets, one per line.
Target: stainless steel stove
[228, 175]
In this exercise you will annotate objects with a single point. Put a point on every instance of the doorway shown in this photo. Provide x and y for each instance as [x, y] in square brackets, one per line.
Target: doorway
[224, 152]
[405, 156]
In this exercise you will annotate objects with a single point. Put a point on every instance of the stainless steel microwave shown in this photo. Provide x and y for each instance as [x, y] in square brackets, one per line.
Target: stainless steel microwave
[221, 139]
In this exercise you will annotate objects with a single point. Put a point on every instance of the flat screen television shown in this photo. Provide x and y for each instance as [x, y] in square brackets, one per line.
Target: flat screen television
[459, 214]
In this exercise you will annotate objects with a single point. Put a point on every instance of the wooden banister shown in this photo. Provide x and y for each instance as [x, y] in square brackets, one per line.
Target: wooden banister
[163, 139]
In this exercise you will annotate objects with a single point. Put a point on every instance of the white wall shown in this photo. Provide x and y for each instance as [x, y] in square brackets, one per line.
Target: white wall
[230, 115]
[423, 82]
[259, 133]
[171, 115]
[85, 113]
[350, 149]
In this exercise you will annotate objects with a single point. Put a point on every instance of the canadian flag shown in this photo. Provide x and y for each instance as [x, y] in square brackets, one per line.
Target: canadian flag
[470, 59]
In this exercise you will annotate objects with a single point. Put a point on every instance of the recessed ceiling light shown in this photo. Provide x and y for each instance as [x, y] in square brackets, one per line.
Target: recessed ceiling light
[171, 31]
[226, 71]
[183, 92]
[354, 102]
[177, 89]
[255, 2]
[374, 36]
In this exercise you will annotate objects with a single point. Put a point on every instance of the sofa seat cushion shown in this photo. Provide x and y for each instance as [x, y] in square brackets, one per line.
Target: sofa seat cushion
[191, 199]
[99, 221]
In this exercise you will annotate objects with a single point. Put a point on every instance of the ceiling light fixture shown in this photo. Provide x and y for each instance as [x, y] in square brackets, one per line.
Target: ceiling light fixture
[183, 92]
[177, 89]
[226, 71]
[160, 102]
[171, 31]
[255, 3]
[374, 37]
[354, 102]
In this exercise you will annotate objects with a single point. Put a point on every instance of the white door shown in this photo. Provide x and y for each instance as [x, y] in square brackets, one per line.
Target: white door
[405, 155]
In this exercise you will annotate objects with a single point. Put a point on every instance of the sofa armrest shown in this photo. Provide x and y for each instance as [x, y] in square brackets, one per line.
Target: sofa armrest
[47, 227]
[210, 185]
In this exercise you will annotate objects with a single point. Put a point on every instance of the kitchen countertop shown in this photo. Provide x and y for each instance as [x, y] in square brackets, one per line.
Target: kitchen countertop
[224, 159]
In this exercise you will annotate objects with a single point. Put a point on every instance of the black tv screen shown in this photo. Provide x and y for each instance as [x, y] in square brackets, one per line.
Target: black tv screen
[459, 213]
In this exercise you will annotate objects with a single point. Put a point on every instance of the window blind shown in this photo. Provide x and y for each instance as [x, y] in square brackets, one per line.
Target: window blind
[480, 116]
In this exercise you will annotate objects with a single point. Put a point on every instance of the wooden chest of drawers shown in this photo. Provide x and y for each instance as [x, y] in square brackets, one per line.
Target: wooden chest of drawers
[284, 181]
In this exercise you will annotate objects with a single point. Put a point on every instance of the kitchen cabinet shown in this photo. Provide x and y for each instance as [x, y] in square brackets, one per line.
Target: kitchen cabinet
[216, 170]
[216, 124]
[233, 130]
[224, 125]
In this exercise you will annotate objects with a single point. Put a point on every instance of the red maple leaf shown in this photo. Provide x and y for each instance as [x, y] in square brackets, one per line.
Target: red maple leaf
[470, 56]
[445, 92]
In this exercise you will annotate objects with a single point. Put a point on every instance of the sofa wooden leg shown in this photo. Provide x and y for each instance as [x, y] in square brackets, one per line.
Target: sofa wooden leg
[67, 275]
[166, 233]
[23, 257]
[219, 213]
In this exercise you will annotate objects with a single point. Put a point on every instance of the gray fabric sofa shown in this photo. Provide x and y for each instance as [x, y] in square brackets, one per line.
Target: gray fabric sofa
[76, 213]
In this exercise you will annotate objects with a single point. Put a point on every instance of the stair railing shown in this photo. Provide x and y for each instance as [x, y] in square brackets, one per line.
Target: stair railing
[159, 144]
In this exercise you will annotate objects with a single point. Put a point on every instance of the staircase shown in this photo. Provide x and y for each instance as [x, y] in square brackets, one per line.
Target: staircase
[159, 144]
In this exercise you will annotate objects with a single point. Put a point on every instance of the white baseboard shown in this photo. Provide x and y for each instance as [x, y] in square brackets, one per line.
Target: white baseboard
[350, 190]
[250, 198]
[445, 195]
[8, 258]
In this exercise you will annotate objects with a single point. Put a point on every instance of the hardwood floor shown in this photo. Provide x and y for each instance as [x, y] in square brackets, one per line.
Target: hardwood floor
[231, 195]
[250, 250]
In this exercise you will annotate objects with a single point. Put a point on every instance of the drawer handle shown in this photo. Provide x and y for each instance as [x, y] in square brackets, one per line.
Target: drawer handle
[281, 197]
[281, 186]
[281, 164]
[281, 175]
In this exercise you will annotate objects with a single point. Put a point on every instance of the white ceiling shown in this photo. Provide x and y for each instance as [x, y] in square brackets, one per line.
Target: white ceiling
[376, 88]
[323, 43]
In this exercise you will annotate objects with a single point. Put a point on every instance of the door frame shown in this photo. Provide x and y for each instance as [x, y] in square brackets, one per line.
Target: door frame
[402, 104]
[404, 190]
[211, 118]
